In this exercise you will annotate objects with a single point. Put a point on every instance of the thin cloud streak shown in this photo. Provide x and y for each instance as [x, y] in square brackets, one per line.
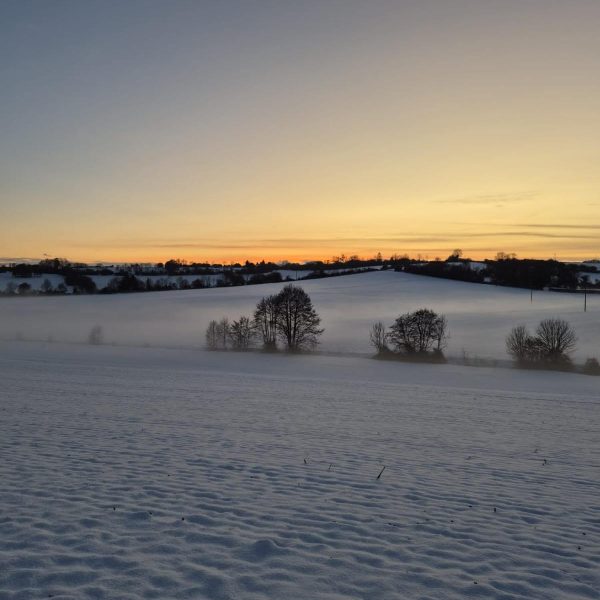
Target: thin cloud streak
[555, 226]
[483, 199]
[274, 243]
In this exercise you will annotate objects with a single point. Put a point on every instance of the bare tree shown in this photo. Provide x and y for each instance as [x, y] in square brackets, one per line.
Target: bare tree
[298, 321]
[520, 344]
[553, 342]
[241, 333]
[419, 332]
[378, 337]
[217, 334]
[266, 318]
[223, 333]
[556, 339]
[440, 333]
[213, 338]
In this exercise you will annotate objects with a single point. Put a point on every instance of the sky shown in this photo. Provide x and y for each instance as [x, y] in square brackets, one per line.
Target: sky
[142, 130]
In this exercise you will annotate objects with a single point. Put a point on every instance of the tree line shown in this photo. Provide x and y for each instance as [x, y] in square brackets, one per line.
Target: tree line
[507, 270]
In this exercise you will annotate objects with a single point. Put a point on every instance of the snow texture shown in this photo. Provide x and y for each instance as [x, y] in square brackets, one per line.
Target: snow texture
[131, 472]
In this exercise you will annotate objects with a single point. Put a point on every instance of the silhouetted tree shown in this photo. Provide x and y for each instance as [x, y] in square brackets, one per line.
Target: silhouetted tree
[82, 284]
[456, 255]
[552, 343]
[556, 339]
[419, 332]
[213, 338]
[378, 337]
[521, 345]
[298, 321]
[241, 333]
[173, 266]
[223, 332]
[266, 317]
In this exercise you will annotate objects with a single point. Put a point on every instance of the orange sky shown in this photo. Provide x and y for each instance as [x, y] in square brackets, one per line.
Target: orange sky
[141, 131]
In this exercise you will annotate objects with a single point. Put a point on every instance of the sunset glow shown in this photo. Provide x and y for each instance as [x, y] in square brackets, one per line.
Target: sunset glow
[143, 130]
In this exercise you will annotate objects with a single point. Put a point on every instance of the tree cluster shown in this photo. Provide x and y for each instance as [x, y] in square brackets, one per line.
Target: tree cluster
[457, 270]
[553, 341]
[287, 317]
[533, 274]
[420, 335]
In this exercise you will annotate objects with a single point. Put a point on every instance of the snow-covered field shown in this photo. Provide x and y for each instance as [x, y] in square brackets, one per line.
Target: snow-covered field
[479, 316]
[130, 472]
[152, 473]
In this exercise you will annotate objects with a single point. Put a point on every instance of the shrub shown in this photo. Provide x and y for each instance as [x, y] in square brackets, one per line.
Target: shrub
[96, 336]
[591, 367]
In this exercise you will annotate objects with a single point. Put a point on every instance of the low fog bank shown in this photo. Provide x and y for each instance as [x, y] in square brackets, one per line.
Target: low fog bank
[479, 316]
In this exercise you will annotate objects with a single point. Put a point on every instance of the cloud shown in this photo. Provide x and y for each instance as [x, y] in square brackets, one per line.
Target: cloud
[555, 226]
[18, 259]
[344, 243]
[253, 244]
[486, 199]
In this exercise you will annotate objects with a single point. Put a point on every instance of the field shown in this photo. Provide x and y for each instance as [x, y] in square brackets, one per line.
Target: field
[133, 472]
[479, 316]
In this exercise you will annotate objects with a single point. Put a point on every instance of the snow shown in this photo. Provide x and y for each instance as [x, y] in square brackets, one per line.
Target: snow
[479, 316]
[150, 468]
[35, 282]
[137, 473]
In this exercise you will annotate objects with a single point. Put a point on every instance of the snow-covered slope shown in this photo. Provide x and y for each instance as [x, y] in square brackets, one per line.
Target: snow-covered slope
[479, 316]
[131, 473]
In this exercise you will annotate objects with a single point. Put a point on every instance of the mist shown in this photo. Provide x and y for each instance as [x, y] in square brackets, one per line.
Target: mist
[479, 316]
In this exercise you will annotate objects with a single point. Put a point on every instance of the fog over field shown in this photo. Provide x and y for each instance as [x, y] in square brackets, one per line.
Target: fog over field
[479, 316]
